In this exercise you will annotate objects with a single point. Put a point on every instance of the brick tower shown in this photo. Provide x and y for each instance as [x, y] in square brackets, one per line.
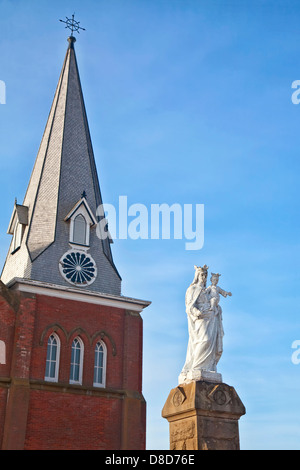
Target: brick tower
[70, 343]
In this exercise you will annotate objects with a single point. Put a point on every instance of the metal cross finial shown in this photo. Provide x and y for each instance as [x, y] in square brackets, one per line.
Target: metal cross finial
[72, 25]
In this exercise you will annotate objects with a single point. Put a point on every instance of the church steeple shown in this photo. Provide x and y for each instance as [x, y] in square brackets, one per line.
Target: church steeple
[54, 230]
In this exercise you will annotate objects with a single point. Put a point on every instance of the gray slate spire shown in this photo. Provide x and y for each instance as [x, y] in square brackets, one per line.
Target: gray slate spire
[63, 185]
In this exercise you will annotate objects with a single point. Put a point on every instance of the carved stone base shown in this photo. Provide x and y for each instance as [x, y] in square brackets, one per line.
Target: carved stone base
[203, 416]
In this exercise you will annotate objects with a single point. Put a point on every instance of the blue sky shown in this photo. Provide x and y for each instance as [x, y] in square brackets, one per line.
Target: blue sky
[189, 102]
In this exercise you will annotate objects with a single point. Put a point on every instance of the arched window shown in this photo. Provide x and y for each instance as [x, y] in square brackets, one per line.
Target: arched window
[100, 364]
[76, 361]
[52, 360]
[79, 230]
[17, 237]
[2, 353]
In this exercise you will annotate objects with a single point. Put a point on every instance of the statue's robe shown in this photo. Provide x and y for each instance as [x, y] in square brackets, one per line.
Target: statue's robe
[205, 345]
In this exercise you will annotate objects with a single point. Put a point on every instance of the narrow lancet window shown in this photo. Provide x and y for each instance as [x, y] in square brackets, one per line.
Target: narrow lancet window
[52, 361]
[100, 365]
[2, 353]
[76, 362]
[17, 237]
[79, 230]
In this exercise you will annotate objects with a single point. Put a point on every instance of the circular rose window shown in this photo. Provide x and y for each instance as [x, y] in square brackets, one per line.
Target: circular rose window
[78, 268]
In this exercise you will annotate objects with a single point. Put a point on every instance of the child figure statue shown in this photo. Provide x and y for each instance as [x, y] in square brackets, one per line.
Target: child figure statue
[213, 291]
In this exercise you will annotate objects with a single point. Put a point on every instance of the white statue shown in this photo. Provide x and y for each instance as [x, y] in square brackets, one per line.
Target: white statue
[213, 291]
[205, 328]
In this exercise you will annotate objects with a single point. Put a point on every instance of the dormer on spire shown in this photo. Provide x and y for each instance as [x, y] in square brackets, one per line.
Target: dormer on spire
[81, 218]
[17, 224]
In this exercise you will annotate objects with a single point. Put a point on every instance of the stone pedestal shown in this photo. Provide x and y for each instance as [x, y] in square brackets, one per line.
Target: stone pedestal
[203, 416]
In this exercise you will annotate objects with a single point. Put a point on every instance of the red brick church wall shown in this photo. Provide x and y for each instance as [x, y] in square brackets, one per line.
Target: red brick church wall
[44, 415]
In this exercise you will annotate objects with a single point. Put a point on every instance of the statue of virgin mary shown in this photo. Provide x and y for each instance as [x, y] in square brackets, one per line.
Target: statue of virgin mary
[205, 345]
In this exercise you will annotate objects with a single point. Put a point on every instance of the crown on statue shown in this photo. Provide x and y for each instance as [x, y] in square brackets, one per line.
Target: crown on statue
[201, 269]
[215, 275]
